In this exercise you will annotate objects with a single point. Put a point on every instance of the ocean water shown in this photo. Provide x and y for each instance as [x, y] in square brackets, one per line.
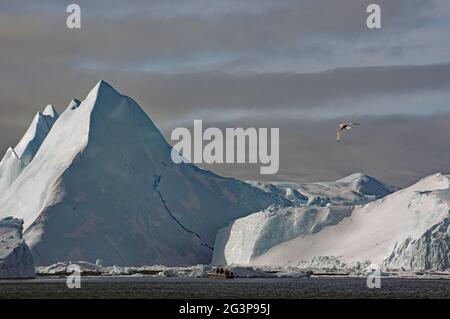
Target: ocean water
[199, 288]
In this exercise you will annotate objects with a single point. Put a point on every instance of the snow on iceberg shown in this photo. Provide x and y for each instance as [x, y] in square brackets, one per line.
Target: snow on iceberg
[63, 268]
[30, 143]
[15, 159]
[16, 260]
[355, 189]
[10, 168]
[408, 229]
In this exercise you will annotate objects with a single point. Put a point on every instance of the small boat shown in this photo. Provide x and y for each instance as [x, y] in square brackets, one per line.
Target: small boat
[214, 275]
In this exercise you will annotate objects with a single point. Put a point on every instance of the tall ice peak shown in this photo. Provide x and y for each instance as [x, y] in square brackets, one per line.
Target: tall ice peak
[103, 89]
[74, 104]
[50, 111]
[9, 153]
[355, 176]
[35, 134]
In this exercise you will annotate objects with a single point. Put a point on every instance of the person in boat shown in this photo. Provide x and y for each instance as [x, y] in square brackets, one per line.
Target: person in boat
[217, 270]
[221, 271]
[227, 273]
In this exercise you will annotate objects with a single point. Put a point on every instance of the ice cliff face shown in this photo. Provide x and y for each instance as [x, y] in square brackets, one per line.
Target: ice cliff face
[103, 185]
[249, 237]
[16, 260]
[429, 250]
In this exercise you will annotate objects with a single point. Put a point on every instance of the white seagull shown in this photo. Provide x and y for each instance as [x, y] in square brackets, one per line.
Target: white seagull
[344, 126]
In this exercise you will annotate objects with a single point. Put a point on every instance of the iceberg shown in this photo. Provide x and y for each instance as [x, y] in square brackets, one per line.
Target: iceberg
[103, 186]
[16, 260]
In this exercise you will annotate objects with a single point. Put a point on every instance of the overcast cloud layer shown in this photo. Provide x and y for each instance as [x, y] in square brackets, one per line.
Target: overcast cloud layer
[303, 66]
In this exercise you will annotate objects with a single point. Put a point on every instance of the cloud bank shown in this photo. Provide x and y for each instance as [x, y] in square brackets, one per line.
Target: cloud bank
[303, 66]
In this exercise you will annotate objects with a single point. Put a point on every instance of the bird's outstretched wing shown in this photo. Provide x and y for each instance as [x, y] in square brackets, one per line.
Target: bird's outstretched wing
[344, 126]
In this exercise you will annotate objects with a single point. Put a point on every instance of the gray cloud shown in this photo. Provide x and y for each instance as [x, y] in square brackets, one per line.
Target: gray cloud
[396, 149]
[148, 34]
[171, 94]
[298, 65]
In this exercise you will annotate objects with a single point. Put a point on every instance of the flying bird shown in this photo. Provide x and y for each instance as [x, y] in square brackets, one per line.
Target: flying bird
[344, 126]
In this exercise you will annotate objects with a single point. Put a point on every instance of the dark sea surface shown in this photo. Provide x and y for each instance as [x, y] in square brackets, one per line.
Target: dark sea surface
[240, 288]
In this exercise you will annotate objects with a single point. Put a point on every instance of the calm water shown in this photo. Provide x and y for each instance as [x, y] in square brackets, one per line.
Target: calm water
[147, 287]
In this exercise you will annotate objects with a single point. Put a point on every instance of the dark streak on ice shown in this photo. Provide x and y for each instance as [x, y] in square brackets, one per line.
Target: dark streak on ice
[156, 181]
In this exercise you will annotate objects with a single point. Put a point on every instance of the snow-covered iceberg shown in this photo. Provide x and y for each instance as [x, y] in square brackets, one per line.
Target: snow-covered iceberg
[408, 229]
[103, 185]
[355, 189]
[16, 260]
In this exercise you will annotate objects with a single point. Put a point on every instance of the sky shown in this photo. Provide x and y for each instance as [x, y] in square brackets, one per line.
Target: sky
[303, 66]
